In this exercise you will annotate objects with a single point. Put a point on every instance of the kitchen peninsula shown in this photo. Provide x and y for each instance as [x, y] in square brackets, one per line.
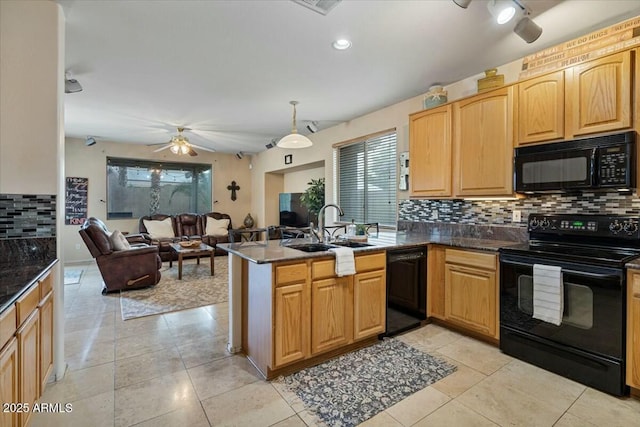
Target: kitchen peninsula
[288, 309]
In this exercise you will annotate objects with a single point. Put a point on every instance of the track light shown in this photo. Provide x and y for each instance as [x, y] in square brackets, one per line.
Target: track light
[272, 143]
[528, 30]
[462, 3]
[312, 127]
[90, 141]
[502, 10]
[239, 155]
[71, 85]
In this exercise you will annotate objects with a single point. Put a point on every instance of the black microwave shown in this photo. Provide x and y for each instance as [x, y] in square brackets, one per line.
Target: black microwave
[598, 163]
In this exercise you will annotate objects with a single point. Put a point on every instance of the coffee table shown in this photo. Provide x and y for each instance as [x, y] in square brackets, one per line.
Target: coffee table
[190, 252]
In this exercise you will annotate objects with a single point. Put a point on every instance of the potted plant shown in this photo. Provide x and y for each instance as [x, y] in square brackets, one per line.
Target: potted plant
[313, 198]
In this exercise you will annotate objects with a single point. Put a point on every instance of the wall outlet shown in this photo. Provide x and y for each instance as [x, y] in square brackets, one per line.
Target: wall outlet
[77, 246]
[434, 214]
[516, 216]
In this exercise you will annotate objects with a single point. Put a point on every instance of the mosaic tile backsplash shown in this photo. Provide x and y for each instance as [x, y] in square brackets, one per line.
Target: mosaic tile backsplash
[27, 216]
[499, 212]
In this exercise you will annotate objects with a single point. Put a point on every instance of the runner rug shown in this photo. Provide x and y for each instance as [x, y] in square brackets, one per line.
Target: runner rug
[354, 387]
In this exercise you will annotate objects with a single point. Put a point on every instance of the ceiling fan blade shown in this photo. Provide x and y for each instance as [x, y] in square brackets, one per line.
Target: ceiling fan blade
[203, 148]
[162, 148]
[158, 143]
[192, 152]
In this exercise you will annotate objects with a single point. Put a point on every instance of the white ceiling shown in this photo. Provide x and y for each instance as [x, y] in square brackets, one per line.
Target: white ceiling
[228, 69]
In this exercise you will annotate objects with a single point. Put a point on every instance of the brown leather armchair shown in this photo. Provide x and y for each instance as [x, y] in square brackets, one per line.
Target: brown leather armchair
[214, 240]
[133, 268]
[189, 225]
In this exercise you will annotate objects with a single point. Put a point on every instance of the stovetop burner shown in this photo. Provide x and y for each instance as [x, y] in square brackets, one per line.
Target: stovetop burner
[587, 239]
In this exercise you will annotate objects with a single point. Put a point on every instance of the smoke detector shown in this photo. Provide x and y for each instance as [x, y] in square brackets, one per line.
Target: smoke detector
[321, 6]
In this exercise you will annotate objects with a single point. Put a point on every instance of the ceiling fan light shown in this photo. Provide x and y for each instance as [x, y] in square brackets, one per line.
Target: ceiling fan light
[174, 149]
[184, 149]
[502, 10]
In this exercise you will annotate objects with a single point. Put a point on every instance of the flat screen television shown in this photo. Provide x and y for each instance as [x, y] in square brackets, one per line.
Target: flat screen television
[292, 212]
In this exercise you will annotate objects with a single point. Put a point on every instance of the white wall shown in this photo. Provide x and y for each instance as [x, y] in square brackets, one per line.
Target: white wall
[29, 83]
[90, 162]
[297, 181]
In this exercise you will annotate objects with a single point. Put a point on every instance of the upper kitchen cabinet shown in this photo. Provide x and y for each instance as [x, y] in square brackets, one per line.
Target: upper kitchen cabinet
[483, 144]
[541, 108]
[598, 95]
[430, 152]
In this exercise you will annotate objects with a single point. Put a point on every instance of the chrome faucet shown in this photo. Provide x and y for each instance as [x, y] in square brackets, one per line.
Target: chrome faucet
[321, 219]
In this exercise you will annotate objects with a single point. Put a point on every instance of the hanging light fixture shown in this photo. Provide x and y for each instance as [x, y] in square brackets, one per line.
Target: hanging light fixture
[294, 139]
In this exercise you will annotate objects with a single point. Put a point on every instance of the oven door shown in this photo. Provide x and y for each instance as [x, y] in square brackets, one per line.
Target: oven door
[554, 170]
[594, 311]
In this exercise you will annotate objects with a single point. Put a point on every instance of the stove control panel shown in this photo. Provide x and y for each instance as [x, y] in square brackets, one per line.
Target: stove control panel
[585, 225]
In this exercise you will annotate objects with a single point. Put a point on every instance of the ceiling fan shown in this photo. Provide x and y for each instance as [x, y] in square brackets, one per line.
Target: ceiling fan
[179, 144]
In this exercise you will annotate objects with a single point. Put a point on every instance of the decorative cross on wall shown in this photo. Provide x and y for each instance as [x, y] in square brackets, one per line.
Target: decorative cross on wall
[233, 188]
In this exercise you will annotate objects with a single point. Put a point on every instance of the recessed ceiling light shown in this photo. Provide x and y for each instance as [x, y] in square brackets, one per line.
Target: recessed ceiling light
[341, 44]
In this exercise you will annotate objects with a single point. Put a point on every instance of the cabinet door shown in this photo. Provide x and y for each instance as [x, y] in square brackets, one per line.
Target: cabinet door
[435, 282]
[599, 95]
[331, 313]
[369, 304]
[633, 329]
[483, 144]
[430, 152]
[29, 363]
[46, 339]
[541, 108]
[470, 298]
[291, 323]
[9, 382]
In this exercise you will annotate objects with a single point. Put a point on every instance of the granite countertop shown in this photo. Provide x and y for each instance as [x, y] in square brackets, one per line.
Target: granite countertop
[277, 250]
[17, 278]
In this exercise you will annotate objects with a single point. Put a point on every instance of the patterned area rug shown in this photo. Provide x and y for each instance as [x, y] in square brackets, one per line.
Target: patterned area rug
[72, 275]
[354, 387]
[197, 288]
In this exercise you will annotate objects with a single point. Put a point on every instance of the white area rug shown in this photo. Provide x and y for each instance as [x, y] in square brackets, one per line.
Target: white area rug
[72, 275]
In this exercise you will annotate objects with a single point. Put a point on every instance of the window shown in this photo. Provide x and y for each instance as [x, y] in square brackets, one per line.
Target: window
[137, 188]
[366, 180]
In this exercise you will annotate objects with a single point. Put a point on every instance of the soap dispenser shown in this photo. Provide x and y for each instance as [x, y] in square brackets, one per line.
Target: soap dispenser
[351, 228]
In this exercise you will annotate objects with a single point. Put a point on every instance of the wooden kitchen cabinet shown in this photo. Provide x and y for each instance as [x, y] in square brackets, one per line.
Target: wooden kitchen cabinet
[435, 281]
[483, 144]
[541, 109]
[598, 95]
[369, 296]
[291, 306]
[28, 336]
[633, 329]
[430, 152]
[9, 381]
[46, 329]
[331, 313]
[471, 291]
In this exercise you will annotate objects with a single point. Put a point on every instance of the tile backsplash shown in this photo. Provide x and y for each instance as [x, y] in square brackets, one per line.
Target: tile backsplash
[499, 212]
[27, 216]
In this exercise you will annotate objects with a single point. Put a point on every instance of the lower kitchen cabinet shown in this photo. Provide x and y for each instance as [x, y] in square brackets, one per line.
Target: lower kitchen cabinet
[291, 327]
[29, 364]
[633, 328]
[369, 304]
[332, 313]
[9, 381]
[462, 289]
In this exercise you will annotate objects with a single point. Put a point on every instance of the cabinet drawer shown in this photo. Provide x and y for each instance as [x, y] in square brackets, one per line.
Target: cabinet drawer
[291, 273]
[375, 261]
[8, 324]
[46, 285]
[27, 303]
[476, 259]
[323, 269]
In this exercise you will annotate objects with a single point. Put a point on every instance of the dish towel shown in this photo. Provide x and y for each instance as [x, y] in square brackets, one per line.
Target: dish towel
[345, 263]
[548, 293]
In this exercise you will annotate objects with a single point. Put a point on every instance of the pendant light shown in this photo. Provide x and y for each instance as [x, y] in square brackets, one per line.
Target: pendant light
[294, 139]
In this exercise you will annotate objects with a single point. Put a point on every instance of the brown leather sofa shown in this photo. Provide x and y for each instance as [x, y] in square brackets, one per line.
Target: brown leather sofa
[133, 268]
[186, 226]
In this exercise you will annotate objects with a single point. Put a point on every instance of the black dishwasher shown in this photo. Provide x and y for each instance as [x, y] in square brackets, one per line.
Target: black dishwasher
[406, 289]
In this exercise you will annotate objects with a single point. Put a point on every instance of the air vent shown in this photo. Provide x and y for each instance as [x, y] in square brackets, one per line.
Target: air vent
[321, 6]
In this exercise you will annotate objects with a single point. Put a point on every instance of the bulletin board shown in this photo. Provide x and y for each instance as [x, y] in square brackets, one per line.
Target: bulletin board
[76, 198]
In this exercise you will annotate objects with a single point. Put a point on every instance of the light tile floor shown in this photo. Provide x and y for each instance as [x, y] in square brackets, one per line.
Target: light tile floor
[173, 370]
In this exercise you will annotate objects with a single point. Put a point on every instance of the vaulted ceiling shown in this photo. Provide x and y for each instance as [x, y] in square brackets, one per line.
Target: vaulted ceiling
[228, 69]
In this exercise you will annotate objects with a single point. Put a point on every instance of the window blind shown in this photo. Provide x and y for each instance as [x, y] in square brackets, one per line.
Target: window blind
[367, 180]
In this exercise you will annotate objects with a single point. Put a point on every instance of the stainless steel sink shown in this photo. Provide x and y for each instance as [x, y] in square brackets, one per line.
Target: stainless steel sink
[311, 247]
[352, 244]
